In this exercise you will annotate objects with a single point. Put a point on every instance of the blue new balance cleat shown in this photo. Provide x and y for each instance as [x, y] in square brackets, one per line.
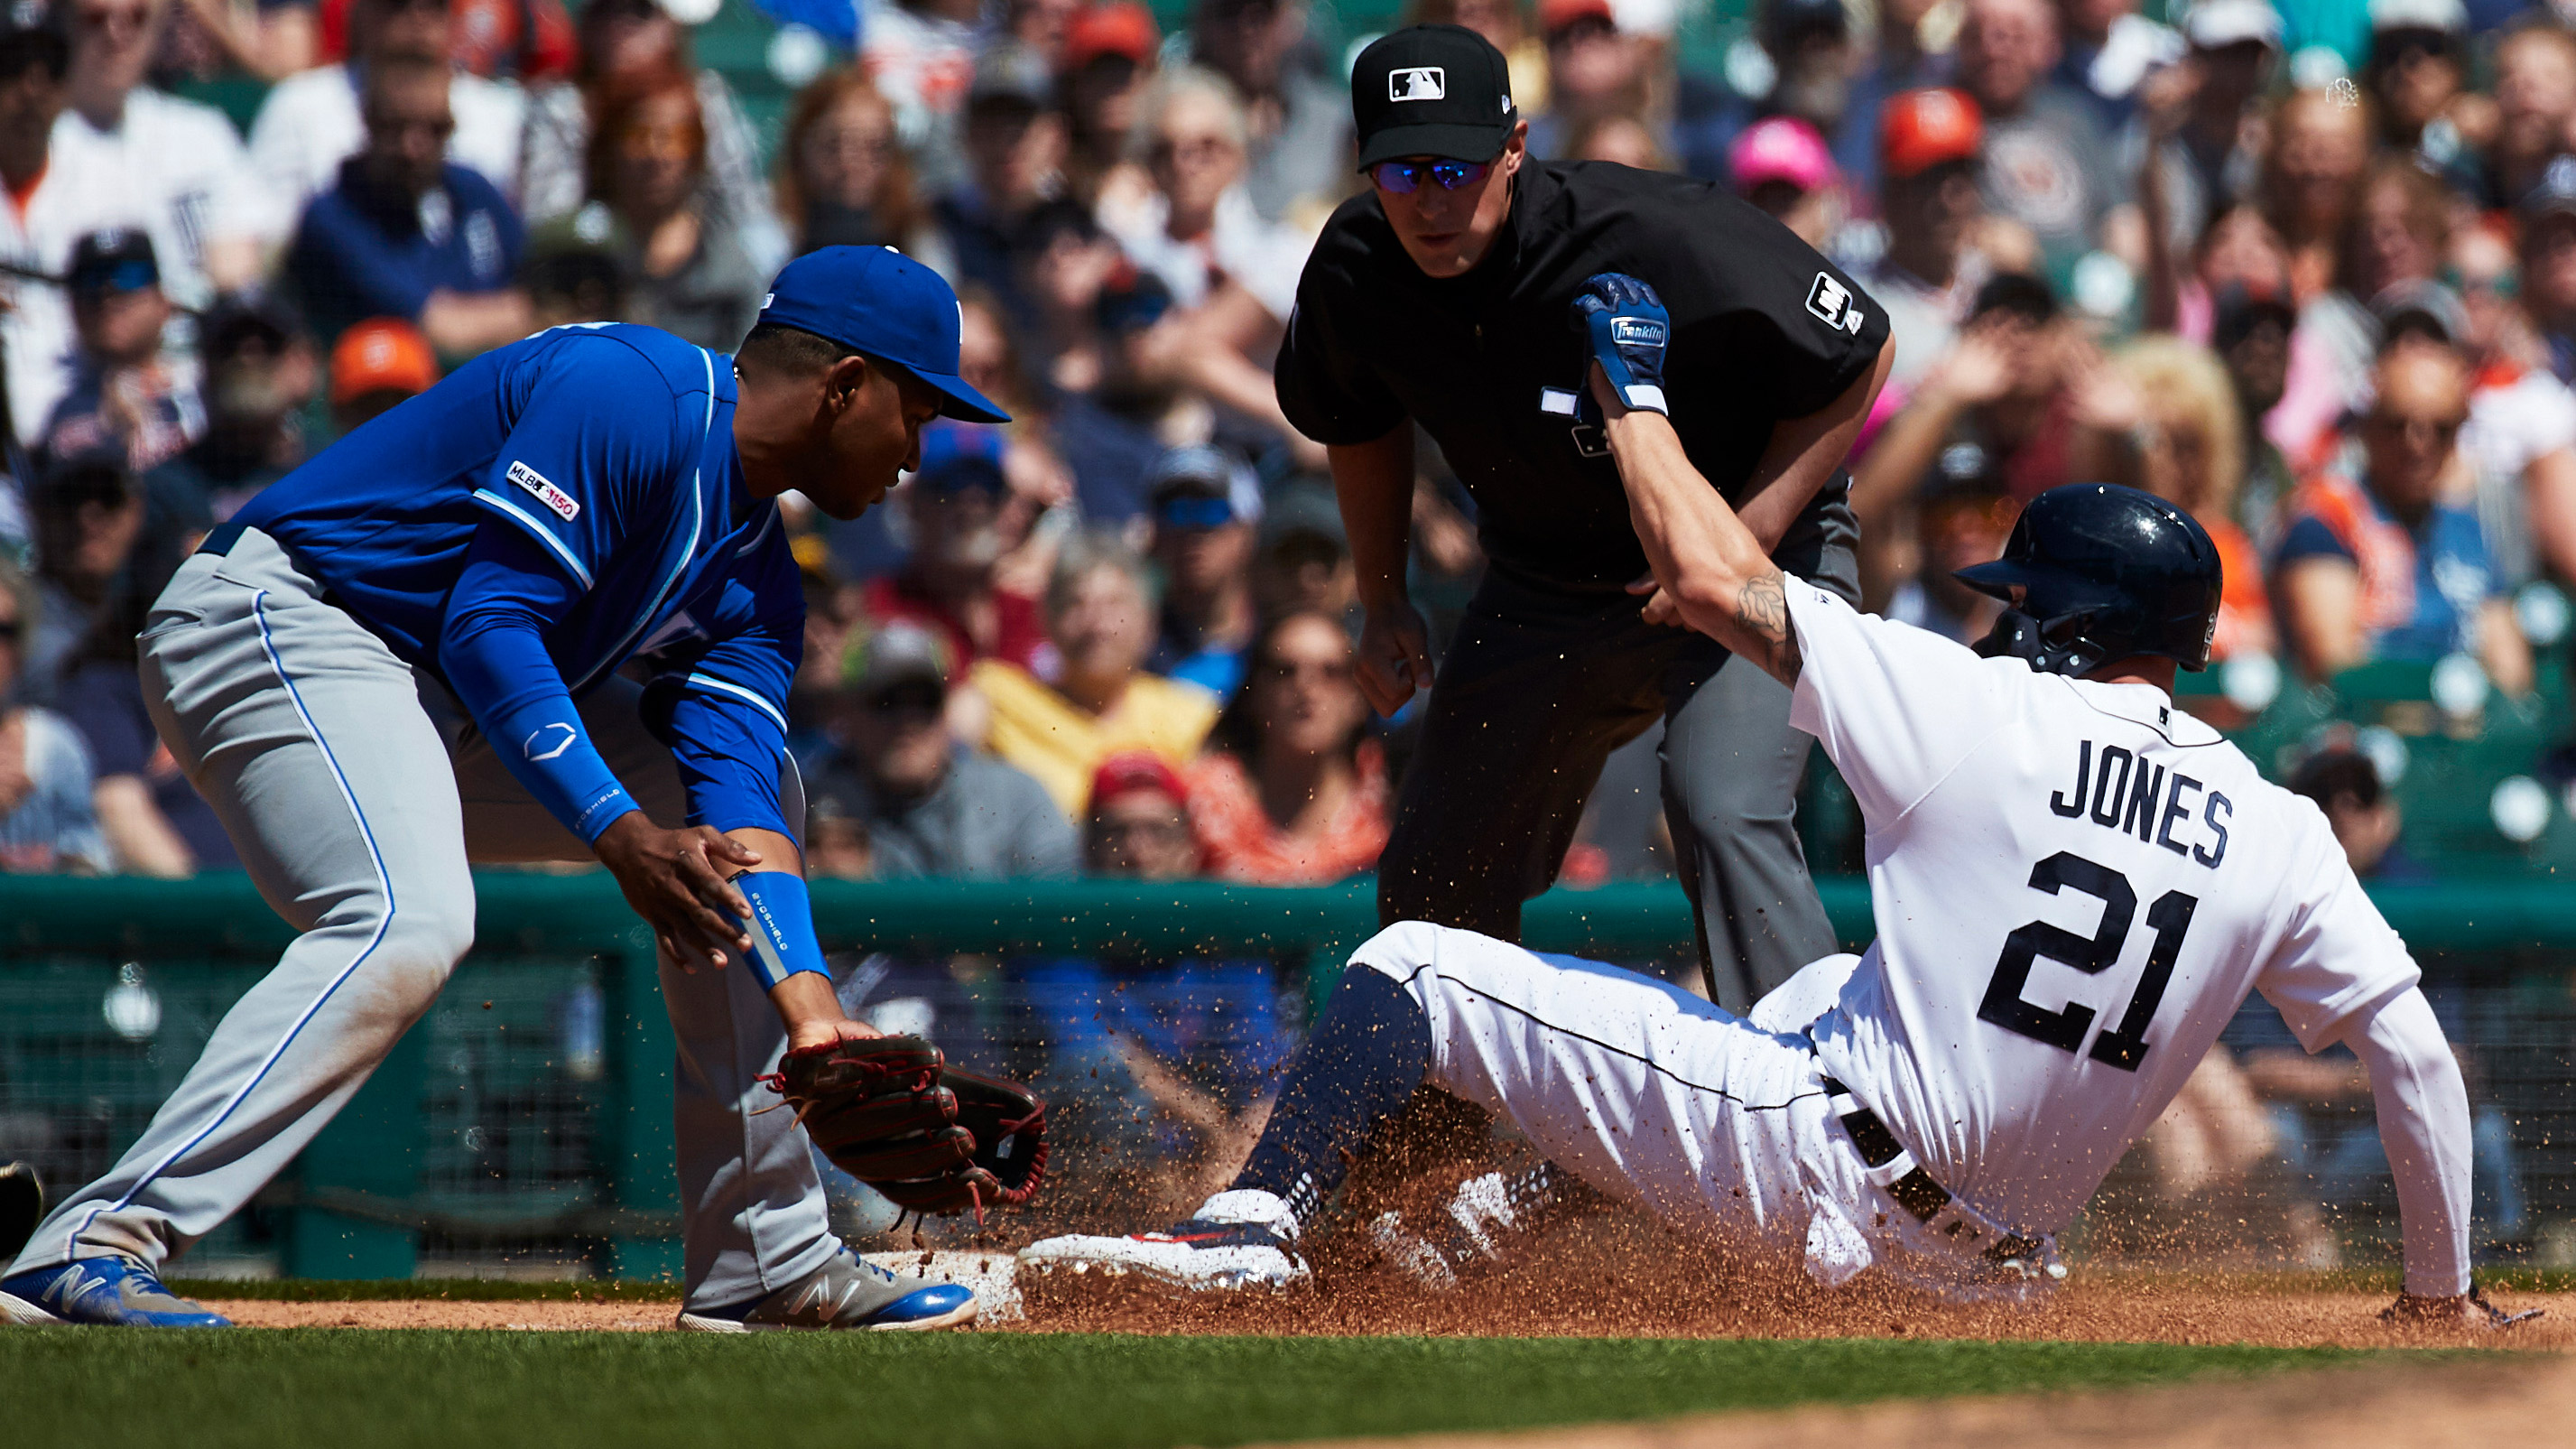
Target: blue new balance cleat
[118, 1292]
[849, 1292]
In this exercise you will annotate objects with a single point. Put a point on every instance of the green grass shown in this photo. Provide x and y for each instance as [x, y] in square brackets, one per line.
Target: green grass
[1010, 1391]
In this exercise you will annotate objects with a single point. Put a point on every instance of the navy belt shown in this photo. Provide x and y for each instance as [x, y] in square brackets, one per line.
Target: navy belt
[1913, 1189]
[224, 536]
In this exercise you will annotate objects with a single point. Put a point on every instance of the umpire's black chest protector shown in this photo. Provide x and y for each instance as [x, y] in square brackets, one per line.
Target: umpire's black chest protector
[1492, 366]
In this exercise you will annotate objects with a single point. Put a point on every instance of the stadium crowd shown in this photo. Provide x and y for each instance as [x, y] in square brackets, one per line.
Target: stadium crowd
[2310, 273]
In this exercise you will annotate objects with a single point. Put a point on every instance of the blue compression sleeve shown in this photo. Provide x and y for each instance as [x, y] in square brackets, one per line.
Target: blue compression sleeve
[782, 926]
[492, 650]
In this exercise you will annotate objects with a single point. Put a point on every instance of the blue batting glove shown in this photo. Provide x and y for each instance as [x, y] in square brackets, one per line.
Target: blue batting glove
[1626, 324]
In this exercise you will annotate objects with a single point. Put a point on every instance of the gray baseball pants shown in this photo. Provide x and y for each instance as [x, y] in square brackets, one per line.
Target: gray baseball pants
[1538, 688]
[357, 792]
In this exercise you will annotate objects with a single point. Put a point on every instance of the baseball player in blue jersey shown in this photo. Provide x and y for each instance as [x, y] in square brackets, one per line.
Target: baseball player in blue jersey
[417, 651]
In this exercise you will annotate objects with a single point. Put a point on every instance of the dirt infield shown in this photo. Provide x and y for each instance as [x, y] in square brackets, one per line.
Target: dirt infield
[2446, 1407]
[1679, 1297]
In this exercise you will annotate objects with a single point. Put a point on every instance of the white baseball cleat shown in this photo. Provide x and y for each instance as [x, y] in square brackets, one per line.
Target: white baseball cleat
[1237, 1240]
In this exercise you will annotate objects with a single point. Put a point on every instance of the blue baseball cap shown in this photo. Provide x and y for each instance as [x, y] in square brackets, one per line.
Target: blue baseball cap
[877, 301]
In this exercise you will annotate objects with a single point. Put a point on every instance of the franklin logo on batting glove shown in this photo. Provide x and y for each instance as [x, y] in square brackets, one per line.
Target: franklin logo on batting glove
[1626, 326]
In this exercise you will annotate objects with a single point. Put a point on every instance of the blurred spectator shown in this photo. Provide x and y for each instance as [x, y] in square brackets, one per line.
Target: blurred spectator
[2251, 333]
[927, 806]
[377, 365]
[1292, 790]
[1964, 518]
[2521, 436]
[2345, 785]
[2202, 120]
[1621, 141]
[1781, 165]
[1111, 433]
[1303, 562]
[1139, 823]
[2535, 97]
[260, 373]
[125, 394]
[1015, 147]
[1205, 508]
[47, 823]
[407, 234]
[2417, 81]
[2191, 453]
[1196, 230]
[267, 42]
[2380, 567]
[626, 46]
[1100, 616]
[2320, 147]
[1932, 207]
[921, 54]
[1299, 122]
[1108, 58]
[1898, 62]
[2396, 236]
[313, 121]
[2004, 387]
[2108, 48]
[570, 280]
[2048, 164]
[1595, 73]
[2548, 217]
[91, 519]
[836, 844]
[526, 40]
[142, 157]
[955, 505]
[843, 177]
[687, 262]
[38, 227]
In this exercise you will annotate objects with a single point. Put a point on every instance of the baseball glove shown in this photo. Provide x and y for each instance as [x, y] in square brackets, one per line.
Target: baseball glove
[22, 1206]
[889, 1111]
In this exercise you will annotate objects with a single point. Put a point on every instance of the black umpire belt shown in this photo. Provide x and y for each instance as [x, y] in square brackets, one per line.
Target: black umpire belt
[1895, 1169]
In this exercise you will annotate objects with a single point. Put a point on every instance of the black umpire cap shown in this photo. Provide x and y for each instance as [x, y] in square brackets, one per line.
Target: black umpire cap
[1431, 90]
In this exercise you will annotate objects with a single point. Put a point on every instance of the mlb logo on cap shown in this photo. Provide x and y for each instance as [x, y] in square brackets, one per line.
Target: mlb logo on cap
[1418, 83]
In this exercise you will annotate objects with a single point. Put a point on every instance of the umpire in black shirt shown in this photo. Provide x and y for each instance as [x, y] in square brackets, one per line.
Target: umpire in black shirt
[1443, 296]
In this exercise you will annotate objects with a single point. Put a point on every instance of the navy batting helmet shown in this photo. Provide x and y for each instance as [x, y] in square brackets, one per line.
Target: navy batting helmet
[2095, 573]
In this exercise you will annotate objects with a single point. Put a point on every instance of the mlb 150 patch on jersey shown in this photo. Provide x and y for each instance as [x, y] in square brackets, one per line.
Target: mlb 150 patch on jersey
[565, 506]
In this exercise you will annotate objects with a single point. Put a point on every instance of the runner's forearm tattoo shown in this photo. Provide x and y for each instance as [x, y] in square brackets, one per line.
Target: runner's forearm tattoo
[1763, 607]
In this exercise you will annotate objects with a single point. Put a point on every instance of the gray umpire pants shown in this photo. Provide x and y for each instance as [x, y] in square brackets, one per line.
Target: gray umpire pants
[1538, 687]
[357, 792]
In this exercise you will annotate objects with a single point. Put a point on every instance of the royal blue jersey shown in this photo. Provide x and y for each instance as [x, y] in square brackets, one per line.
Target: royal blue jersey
[589, 476]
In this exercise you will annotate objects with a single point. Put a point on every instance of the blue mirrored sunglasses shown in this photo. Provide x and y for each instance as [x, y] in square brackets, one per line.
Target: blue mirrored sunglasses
[1402, 177]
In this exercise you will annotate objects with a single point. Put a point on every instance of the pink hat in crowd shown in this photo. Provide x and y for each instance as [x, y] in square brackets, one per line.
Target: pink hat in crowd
[1781, 148]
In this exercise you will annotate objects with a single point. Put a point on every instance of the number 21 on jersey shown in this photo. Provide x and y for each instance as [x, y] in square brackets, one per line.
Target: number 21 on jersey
[2125, 1044]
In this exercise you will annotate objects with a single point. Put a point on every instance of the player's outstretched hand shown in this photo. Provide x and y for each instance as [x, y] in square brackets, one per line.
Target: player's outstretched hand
[1395, 656]
[1626, 326]
[676, 880]
[2470, 1311]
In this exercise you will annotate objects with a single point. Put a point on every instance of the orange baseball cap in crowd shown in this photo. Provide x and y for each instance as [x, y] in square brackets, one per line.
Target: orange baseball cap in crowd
[1922, 129]
[384, 354]
[1130, 771]
[1555, 15]
[1120, 28]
